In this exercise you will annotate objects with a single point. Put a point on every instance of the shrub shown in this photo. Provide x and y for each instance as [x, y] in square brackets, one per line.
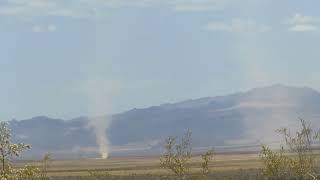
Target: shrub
[100, 175]
[44, 167]
[275, 163]
[8, 151]
[177, 155]
[206, 157]
[298, 162]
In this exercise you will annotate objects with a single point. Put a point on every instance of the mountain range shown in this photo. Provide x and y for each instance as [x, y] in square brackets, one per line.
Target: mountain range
[240, 119]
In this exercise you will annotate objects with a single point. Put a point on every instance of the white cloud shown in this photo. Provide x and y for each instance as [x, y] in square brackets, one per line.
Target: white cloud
[238, 25]
[302, 23]
[303, 28]
[137, 3]
[218, 26]
[44, 28]
[40, 8]
[301, 19]
[86, 8]
[52, 28]
[177, 5]
[200, 5]
[37, 29]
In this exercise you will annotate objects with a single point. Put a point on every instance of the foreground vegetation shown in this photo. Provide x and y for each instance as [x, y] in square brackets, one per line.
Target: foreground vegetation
[296, 159]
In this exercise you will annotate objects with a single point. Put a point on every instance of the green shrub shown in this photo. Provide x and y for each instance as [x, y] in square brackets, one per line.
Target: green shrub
[298, 161]
[44, 167]
[177, 155]
[275, 163]
[8, 151]
[206, 157]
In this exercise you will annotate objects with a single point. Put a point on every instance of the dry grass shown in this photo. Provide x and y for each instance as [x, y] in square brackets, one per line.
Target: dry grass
[144, 165]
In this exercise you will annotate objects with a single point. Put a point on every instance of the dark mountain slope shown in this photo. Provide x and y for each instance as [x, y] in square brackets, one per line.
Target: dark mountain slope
[242, 117]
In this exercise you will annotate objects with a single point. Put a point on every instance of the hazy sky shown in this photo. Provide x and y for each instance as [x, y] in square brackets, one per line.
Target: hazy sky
[57, 55]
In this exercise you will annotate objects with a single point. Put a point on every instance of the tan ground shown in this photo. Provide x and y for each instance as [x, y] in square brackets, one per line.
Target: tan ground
[143, 165]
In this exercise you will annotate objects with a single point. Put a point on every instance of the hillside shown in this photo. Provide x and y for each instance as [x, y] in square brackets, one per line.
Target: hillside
[238, 119]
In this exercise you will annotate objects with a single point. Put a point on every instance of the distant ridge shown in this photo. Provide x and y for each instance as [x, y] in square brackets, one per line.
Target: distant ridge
[239, 118]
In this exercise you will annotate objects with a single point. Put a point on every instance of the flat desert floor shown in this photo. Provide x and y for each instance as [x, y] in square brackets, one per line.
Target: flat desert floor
[144, 165]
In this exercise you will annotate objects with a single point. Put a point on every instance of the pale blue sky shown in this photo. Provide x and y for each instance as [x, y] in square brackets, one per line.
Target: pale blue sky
[55, 54]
